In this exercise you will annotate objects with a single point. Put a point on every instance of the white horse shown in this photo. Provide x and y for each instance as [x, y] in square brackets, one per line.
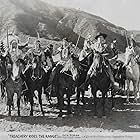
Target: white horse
[132, 73]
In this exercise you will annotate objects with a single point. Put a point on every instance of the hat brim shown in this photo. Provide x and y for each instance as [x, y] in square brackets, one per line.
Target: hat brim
[103, 35]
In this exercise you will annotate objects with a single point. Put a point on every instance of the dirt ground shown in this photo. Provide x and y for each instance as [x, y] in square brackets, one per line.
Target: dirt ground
[124, 118]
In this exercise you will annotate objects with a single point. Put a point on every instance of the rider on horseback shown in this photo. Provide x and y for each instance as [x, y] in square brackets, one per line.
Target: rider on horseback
[15, 49]
[65, 55]
[99, 47]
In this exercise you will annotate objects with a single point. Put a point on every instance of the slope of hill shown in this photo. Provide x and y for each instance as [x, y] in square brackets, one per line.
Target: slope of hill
[136, 35]
[28, 17]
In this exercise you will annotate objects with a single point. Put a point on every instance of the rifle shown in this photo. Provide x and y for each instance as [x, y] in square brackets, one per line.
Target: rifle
[126, 38]
[78, 39]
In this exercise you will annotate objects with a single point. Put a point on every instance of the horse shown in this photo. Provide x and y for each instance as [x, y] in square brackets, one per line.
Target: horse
[13, 83]
[99, 80]
[132, 74]
[35, 78]
[84, 67]
[65, 83]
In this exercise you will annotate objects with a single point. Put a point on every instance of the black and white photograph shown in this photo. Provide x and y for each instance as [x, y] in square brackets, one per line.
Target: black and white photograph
[69, 69]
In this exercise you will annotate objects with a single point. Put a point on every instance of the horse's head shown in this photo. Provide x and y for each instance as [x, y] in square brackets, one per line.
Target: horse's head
[130, 56]
[74, 66]
[87, 61]
[97, 63]
[34, 64]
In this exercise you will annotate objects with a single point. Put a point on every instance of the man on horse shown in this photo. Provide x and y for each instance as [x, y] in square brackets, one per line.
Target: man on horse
[99, 47]
[15, 49]
[65, 56]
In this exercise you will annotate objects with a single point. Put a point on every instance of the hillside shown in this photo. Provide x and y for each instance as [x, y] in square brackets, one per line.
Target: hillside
[136, 35]
[26, 17]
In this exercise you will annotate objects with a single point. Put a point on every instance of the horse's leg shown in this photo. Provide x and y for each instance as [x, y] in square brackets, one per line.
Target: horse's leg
[48, 95]
[60, 102]
[40, 99]
[2, 91]
[10, 94]
[31, 95]
[135, 90]
[69, 107]
[93, 90]
[78, 100]
[103, 104]
[18, 103]
[83, 99]
[139, 89]
[78, 96]
[112, 98]
[123, 84]
[9, 109]
[31, 103]
[127, 90]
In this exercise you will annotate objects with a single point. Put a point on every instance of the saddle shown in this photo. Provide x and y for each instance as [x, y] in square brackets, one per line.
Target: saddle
[137, 59]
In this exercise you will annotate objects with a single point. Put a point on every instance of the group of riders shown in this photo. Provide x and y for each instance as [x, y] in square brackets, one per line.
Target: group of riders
[15, 51]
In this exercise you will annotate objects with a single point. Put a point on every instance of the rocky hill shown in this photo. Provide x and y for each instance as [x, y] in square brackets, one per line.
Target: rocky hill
[27, 17]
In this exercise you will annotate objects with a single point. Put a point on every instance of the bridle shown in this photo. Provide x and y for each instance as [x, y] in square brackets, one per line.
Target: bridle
[135, 60]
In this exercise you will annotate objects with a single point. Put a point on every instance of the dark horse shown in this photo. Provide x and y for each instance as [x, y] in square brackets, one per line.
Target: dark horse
[84, 67]
[13, 83]
[100, 80]
[120, 74]
[35, 78]
[65, 83]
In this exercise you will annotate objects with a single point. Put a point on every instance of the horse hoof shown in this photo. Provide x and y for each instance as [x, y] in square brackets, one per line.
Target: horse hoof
[59, 118]
[43, 113]
[113, 108]
[60, 115]
[70, 115]
[127, 102]
[104, 117]
[135, 101]
[9, 115]
[31, 114]
[95, 117]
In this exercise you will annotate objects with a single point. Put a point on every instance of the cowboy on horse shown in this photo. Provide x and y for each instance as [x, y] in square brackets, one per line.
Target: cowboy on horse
[99, 47]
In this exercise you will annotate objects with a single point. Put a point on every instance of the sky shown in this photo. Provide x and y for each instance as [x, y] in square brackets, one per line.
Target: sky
[124, 13]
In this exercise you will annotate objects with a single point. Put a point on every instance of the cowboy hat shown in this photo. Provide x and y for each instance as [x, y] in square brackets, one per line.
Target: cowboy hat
[100, 34]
